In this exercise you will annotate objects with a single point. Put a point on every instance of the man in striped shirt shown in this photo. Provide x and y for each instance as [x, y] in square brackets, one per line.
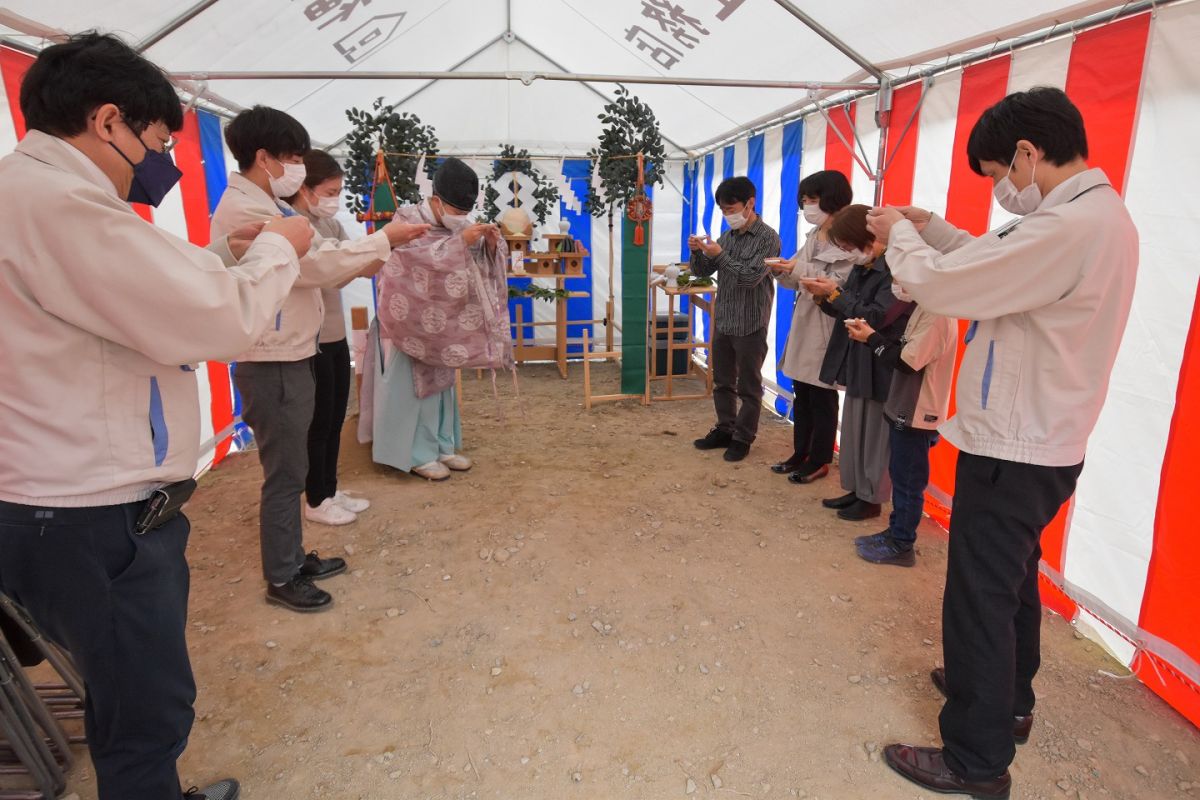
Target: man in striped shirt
[742, 313]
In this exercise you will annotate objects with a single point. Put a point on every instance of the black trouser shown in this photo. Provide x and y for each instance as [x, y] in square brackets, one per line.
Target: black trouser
[737, 375]
[331, 368]
[118, 603]
[991, 612]
[815, 411]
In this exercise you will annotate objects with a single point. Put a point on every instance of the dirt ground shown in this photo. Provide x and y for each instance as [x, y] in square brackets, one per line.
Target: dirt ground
[599, 611]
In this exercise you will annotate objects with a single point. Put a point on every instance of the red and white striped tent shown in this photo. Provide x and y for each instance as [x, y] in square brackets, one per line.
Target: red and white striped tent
[773, 89]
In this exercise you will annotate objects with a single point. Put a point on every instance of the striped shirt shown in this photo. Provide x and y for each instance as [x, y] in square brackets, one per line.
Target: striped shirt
[745, 289]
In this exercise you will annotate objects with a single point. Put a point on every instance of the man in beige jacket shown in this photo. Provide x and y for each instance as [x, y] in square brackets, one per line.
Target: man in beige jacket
[104, 318]
[275, 376]
[1048, 297]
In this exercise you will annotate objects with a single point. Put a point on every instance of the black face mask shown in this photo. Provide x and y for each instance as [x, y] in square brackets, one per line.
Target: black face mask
[153, 177]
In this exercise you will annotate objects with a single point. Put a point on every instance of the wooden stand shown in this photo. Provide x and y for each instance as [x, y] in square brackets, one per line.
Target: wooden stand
[700, 297]
[558, 266]
[359, 324]
[590, 399]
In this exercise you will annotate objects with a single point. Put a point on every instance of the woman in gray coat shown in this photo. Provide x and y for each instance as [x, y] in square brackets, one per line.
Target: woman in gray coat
[815, 408]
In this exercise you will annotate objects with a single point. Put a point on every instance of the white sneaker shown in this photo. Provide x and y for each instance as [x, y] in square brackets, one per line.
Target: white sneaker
[356, 505]
[329, 513]
[433, 471]
[456, 462]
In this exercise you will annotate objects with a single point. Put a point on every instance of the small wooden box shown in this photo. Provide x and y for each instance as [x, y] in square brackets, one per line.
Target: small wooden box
[540, 266]
[517, 244]
[571, 264]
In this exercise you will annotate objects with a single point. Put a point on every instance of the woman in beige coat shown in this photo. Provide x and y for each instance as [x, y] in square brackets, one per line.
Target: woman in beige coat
[815, 407]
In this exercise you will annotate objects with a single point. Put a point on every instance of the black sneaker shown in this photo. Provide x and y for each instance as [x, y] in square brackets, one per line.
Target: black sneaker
[715, 440]
[227, 789]
[737, 451]
[873, 539]
[299, 594]
[845, 501]
[887, 551]
[317, 568]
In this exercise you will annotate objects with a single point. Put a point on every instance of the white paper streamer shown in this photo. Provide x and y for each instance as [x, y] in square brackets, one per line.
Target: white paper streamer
[572, 201]
[424, 182]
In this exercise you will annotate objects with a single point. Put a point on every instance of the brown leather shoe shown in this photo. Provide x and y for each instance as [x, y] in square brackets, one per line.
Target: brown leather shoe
[926, 767]
[1022, 726]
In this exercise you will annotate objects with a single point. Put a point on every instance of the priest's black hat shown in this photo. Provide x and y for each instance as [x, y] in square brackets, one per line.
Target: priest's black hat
[457, 184]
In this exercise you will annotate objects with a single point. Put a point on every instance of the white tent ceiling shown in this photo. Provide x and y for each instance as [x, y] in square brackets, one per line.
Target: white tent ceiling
[744, 40]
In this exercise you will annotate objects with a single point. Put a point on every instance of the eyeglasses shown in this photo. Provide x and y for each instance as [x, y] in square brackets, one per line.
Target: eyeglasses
[166, 141]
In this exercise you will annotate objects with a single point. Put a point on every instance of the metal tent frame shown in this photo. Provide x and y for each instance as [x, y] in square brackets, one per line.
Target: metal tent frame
[820, 96]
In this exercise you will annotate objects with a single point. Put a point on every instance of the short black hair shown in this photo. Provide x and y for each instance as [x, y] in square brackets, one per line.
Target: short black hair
[68, 81]
[735, 190]
[830, 187]
[1043, 115]
[263, 128]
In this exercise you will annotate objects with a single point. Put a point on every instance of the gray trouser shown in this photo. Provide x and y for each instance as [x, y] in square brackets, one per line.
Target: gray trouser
[277, 404]
[737, 375]
[863, 460]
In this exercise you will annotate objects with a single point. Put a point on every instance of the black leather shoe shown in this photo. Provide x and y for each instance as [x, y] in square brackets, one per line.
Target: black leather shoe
[926, 767]
[860, 510]
[845, 501]
[736, 451]
[317, 568]
[299, 594]
[714, 440]
[786, 467]
[1022, 726]
[808, 474]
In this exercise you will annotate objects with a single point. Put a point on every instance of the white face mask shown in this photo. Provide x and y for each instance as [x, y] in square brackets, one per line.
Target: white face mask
[861, 258]
[289, 182]
[900, 294]
[1014, 201]
[832, 254]
[325, 207]
[736, 221]
[451, 222]
[813, 214]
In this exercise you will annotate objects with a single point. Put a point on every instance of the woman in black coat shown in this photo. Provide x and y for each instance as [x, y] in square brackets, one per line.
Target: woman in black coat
[866, 294]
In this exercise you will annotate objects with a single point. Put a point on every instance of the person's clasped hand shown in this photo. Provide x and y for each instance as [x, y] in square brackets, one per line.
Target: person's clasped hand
[781, 266]
[881, 219]
[709, 247]
[239, 240]
[819, 287]
[859, 330]
[399, 233]
[491, 235]
[474, 232]
[295, 229]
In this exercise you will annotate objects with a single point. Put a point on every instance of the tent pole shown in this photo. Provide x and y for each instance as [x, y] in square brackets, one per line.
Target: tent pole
[527, 78]
[825, 34]
[174, 25]
[611, 307]
[782, 116]
[883, 119]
